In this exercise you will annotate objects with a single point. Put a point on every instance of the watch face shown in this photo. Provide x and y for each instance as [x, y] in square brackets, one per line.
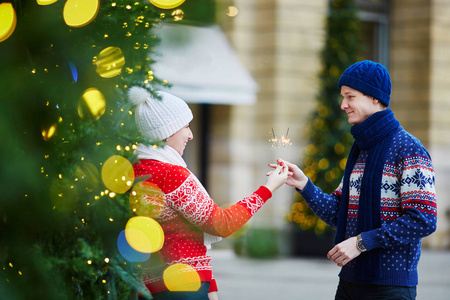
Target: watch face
[361, 246]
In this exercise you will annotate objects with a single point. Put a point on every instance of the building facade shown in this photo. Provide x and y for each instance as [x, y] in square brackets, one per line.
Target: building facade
[279, 42]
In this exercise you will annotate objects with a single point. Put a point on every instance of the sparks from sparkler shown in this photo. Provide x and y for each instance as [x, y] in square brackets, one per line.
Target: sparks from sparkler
[281, 142]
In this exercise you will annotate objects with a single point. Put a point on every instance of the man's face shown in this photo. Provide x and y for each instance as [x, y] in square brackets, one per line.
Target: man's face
[357, 105]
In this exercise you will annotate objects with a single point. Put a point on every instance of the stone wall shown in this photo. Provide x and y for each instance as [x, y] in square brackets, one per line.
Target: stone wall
[419, 63]
[439, 116]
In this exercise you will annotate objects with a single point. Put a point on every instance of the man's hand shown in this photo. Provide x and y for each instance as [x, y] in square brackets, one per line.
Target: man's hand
[344, 252]
[296, 178]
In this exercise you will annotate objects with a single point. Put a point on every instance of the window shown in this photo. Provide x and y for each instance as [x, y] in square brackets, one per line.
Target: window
[374, 15]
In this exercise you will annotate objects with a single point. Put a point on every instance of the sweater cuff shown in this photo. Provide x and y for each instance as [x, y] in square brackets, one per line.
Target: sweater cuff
[308, 191]
[370, 239]
[213, 285]
[264, 193]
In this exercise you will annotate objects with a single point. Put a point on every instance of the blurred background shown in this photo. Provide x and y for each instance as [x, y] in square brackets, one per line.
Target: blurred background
[261, 78]
[295, 52]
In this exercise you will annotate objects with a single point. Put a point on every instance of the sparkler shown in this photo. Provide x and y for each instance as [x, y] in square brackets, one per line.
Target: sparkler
[281, 142]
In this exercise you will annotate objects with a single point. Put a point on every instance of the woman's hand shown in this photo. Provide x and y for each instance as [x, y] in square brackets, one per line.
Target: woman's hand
[277, 178]
[296, 177]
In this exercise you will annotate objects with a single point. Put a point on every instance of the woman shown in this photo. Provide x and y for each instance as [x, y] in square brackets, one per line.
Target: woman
[190, 218]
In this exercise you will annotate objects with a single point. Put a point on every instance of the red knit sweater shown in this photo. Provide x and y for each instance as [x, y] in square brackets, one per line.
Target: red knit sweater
[188, 213]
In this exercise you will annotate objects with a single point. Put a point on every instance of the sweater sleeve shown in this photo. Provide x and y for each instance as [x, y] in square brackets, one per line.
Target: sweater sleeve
[191, 200]
[325, 206]
[418, 209]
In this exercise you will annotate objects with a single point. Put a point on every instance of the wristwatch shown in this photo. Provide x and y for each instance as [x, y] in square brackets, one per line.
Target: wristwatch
[360, 243]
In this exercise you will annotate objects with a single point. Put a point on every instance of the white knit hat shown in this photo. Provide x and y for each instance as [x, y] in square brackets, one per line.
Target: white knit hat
[159, 119]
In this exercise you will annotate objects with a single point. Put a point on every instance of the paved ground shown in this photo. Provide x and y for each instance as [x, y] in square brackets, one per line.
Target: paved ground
[310, 278]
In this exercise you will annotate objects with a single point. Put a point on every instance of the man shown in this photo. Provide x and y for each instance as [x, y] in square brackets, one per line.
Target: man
[386, 201]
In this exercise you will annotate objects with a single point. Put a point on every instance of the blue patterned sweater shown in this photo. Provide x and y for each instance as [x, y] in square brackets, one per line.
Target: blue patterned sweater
[408, 210]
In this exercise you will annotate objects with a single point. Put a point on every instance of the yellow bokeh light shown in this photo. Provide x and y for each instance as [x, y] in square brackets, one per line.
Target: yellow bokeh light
[138, 240]
[232, 11]
[324, 164]
[144, 234]
[79, 13]
[181, 278]
[45, 2]
[109, 62]
[48, 133]
[87, 176]
[166, 4]
[63, 195]
[92, 103]
[241, 231]
[146, 199]
[343, 163]
[118, 174]
[8, 21]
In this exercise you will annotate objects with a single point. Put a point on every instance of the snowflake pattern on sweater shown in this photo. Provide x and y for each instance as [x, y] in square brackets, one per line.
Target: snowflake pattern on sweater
[189, 212]
[408, 210]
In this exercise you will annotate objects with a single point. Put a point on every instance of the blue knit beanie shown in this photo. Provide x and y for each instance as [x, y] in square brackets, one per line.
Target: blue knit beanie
[370, 78]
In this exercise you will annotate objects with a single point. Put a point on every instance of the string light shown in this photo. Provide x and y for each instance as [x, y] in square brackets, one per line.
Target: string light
[177, 15]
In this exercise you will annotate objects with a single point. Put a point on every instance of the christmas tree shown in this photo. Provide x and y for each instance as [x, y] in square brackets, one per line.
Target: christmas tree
[329, 132]
[68, 135]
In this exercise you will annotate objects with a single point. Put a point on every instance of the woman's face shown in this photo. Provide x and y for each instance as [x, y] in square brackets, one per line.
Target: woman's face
[179, 139]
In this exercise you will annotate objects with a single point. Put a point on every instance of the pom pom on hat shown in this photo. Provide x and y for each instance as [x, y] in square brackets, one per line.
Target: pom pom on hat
[159, 119]
[370, 78]
[138, 95]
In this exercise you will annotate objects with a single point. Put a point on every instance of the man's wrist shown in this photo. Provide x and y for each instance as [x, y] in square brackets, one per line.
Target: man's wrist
[301, 184]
